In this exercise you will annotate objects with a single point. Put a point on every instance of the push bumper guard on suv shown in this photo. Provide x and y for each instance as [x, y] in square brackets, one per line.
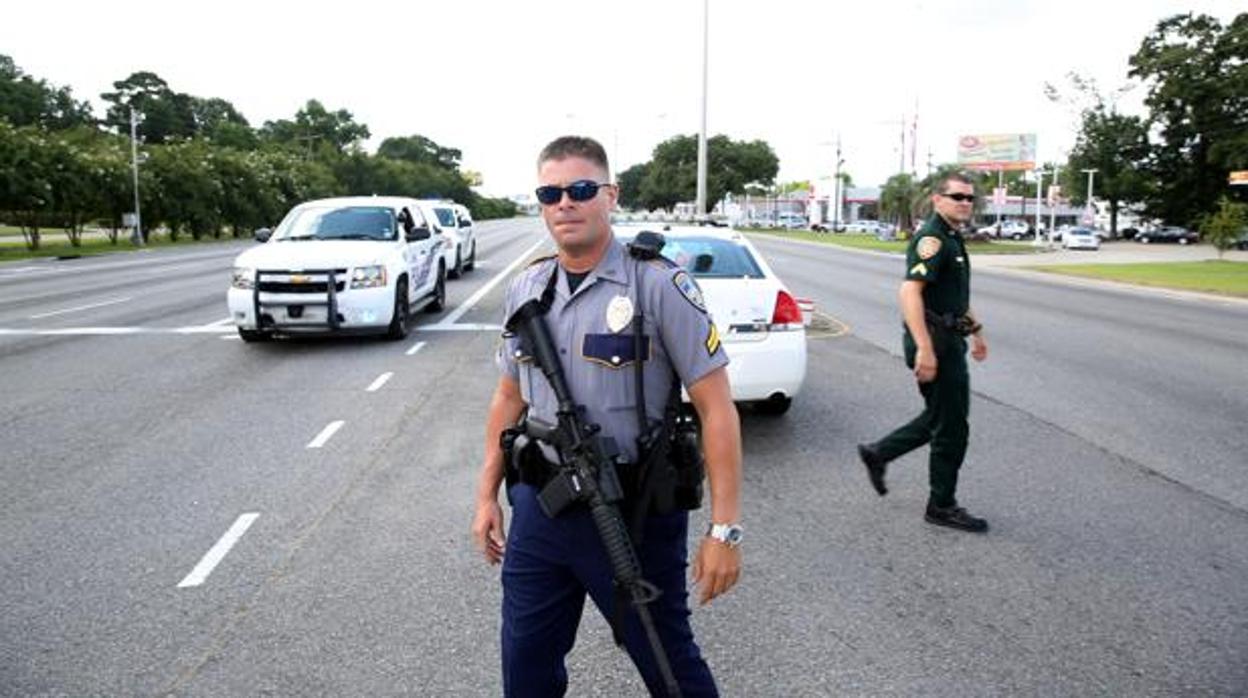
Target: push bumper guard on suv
[323, 291]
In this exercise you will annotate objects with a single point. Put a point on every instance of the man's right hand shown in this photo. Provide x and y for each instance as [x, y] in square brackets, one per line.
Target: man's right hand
[487, 530]
[925, 365]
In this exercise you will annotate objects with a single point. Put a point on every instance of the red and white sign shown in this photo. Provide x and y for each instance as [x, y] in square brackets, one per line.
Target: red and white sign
[998, 196]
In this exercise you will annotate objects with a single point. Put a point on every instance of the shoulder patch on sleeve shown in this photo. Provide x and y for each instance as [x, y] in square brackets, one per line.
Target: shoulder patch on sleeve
[928, 247]
[689, 289]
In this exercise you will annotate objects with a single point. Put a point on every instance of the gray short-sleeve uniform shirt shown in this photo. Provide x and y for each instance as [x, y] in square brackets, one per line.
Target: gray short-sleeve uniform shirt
[597, 359]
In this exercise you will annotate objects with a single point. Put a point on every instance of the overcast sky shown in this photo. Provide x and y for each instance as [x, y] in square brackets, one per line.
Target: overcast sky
[499, 78]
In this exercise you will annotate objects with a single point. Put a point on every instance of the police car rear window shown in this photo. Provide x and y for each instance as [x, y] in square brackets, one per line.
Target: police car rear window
[712, 258]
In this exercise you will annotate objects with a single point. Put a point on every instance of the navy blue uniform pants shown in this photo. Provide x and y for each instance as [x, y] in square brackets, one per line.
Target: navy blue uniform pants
[549, 566]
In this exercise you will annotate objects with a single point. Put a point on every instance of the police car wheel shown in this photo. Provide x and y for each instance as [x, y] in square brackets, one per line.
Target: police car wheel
[471, 262]
[458, 269]
[438, 302]
[399, 324]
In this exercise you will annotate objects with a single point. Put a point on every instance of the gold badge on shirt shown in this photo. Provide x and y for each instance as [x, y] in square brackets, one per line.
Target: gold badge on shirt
[619, 313]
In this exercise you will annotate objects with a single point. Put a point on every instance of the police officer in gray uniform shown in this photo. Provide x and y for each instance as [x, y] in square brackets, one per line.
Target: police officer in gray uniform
[549, 564]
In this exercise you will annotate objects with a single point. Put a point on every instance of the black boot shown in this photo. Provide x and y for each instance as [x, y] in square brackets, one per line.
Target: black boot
[875, 467]
[954, 517]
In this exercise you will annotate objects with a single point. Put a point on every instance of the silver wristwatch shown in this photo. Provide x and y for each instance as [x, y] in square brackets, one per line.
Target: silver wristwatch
[728, 534]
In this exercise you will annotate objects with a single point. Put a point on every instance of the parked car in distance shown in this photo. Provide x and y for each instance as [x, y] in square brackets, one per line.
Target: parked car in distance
[1015, 230]
[863, 226]
[1081, 239]
[1168, 233]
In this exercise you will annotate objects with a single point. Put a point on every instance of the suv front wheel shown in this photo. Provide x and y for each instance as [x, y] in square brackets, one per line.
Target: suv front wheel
[400, 323]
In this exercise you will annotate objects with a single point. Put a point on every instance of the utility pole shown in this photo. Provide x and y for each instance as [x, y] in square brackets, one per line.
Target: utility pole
[134, 168]
[1039, 194]
[706, 35]
[837, 190]
[901, 166]
[1087, 207]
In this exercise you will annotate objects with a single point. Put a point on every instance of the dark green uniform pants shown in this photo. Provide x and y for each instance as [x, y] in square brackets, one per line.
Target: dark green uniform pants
[943, 422]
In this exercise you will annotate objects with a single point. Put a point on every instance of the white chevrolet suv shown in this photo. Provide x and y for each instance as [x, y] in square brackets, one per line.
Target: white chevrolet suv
[354, 264]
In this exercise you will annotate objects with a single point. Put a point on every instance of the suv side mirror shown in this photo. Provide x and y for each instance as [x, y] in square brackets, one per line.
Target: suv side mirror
[263, 234]
[465, 223]
[418, 234]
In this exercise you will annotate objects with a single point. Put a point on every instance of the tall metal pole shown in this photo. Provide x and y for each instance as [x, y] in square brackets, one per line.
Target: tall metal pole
[701, 203]
[836, 188]
[1039, 195]
[134, 167]
[1090, 173]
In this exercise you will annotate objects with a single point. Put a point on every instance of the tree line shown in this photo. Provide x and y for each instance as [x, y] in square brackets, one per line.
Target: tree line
[204, 170]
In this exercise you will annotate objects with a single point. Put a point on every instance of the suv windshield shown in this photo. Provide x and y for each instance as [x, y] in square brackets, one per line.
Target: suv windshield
[342, 223]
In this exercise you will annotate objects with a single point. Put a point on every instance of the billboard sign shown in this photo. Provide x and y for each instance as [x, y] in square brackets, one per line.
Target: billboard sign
[1238, 178]
[999, 151]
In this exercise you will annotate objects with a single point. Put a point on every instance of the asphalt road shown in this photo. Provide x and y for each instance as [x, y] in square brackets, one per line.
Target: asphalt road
[1107, 450]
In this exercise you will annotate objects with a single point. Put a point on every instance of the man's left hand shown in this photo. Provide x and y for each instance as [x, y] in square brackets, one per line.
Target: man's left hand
[979, 347]
[715, 569]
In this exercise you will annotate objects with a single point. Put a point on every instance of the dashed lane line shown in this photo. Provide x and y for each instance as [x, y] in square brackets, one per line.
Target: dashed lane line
[217, 553]
[326, 434]
[381, 380]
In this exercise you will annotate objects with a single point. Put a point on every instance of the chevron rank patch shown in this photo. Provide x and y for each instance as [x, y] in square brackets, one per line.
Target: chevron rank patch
[689, 289]
[928, 247]
[919, 269]
[712, 340]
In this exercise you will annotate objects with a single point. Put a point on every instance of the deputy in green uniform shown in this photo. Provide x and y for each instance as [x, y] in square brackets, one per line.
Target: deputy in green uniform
[935, 303]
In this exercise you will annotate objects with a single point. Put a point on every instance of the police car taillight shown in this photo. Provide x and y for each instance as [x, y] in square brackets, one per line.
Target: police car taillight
[787, 315]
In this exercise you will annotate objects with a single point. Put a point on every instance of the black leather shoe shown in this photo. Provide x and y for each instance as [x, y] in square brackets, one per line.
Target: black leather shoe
[955, 517]
[875, 467]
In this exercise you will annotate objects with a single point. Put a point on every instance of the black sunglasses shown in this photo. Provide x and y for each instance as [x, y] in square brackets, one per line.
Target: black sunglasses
[960, 197]
[580, 190]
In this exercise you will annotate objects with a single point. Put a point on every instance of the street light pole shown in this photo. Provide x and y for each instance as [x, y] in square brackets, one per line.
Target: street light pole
[134, 167]
[1090, 173]
[701, 202]
[837, 187]
[1039, 194]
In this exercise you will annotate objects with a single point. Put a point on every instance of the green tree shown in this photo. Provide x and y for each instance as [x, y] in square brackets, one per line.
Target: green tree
[166, 115]
[418, 149]
[317, 131]
[25, 101]
[629, 182]
[1196, 72]
[900, 200]
[1223, 228]
[731, 165]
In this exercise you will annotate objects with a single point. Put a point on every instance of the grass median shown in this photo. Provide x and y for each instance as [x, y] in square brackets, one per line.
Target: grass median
[56, 244]
[1211, 276]
[870, 242]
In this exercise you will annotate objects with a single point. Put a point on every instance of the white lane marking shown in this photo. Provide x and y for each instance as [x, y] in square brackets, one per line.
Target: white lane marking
[415, 348]
[326, 434]
[462, 327]
[223, 321]
[381, 380]
[230, 336]
[101, 304]
[467, 305]
[214, 556]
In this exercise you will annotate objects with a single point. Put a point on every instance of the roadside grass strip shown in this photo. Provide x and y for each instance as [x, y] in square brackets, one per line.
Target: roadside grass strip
[1222, 277]
[869, 242]
[12, 248]
[217, 553]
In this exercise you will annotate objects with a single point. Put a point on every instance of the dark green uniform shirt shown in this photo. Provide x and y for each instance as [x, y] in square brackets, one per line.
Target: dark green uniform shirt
[937, 255]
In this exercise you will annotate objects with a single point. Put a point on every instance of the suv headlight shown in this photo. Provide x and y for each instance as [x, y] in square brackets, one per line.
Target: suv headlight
[368, 277]
[243, 278]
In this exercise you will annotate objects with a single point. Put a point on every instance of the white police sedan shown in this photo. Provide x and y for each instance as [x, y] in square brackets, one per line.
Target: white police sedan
[758, 319]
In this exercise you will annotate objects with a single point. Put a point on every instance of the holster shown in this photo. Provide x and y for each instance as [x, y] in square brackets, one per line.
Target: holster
[961, 325]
